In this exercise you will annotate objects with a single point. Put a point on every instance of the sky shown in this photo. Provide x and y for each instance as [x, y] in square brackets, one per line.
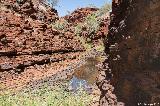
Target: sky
[64, 6]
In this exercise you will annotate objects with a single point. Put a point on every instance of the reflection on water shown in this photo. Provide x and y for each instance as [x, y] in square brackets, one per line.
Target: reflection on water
[85, 75]
[88, 71]
[76, 84]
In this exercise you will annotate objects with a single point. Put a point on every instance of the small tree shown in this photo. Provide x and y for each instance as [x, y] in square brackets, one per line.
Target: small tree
[60, 24]
[78, 29]
[51, 3]
[104, 9]
[92, 24]
[107, 7]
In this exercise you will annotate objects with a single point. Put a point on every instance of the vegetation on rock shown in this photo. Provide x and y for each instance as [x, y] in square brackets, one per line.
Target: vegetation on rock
[60, 24]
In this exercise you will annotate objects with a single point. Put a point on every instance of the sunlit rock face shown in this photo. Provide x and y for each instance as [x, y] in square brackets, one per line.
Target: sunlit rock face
[29, 44]
[133, 46]
[35, 9]
[79, 15]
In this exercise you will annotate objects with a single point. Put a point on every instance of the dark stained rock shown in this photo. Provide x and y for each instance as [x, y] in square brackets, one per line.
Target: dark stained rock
[134, 38]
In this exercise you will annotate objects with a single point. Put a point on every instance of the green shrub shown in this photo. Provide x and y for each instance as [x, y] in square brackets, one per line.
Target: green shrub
[92, 24]
[60, 25]
[55, 96]
[78, 29]
[104, 9]
[87, 45]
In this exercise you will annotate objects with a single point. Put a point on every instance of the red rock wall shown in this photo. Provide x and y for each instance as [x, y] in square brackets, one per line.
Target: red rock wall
[133, 46]
[26, 40]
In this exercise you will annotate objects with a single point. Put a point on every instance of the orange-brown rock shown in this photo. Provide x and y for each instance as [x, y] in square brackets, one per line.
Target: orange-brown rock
[26, 41]
[34, 9]
[79, 15]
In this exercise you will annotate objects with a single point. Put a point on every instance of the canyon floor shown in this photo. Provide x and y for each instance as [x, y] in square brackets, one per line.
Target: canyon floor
[39, 49]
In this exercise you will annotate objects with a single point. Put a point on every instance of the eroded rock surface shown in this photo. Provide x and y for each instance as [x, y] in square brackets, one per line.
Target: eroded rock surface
[25, 41]
[30, 48]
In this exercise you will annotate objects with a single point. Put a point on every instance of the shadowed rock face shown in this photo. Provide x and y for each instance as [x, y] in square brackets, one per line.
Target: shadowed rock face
[133, 46]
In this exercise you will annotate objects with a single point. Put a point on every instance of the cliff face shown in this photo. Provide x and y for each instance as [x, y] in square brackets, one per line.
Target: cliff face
[31, 48]
[23, 39]
[133, 46]
[29, 44]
